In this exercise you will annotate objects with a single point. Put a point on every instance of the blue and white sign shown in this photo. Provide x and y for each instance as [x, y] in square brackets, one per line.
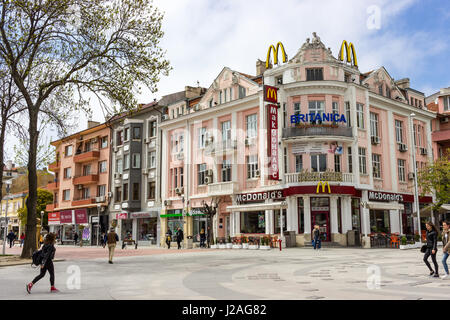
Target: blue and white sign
[317, 117]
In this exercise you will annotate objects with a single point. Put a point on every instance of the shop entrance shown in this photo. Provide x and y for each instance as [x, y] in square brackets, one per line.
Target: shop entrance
[320, 214]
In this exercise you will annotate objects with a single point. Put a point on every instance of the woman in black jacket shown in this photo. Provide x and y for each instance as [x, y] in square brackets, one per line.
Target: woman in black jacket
[48, 254]
[432, 236]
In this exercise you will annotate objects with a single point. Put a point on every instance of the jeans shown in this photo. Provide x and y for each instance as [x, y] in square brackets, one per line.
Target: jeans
[433, 258]
[51, 270]
[317, 243]
[444, 261]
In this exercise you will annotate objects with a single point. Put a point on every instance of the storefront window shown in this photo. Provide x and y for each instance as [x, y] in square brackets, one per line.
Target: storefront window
[379, 221]
[356, 214]
[301, 215]
[199, 224]
[253, 222]
[407, 219]
[147, 229]
[277, 220]
[174, 223]
[68, 232]
[127, 228]
[339, 215]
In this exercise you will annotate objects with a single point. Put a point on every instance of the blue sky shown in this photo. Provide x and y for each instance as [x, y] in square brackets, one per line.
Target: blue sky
[203, 36]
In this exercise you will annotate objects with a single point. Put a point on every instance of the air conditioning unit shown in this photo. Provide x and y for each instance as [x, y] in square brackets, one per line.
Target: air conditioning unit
[100, 199]
[411, 176]
[423, 151]
[110, 194]
[444, 120]
[117, 175]
[165, 117]
[80, 187]
[208, 180]
[402, 147]
[179, 191]
[167, 202]
[375, 140]
[257, 173]
[209, 172]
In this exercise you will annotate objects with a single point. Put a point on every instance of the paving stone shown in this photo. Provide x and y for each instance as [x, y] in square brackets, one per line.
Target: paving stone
[314, 298]
[310, 290]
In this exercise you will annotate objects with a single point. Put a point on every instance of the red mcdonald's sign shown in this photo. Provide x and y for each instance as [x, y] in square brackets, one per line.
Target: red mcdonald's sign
[270, 94]
[272, 139]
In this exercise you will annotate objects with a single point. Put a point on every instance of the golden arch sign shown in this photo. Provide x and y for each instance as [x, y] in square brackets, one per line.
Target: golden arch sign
[275, 54]
[323, 184]
[347, 48]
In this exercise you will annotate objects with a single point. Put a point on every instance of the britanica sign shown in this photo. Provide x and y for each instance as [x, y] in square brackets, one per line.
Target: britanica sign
[259, 196]
[384, 196]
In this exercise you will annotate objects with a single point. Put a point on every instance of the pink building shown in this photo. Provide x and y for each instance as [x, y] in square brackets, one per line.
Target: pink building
[440, 103]
[353, 173]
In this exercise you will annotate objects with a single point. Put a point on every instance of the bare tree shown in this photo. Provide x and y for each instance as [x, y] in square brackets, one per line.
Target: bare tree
[210, 210]
[68, 48]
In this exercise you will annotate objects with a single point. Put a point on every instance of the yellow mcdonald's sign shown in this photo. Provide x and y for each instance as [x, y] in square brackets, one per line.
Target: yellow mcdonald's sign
[271, 93]
[348, 47]
[323, 184]
[275, 54]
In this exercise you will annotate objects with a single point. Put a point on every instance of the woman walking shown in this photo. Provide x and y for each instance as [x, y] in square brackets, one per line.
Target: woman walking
[168, 238]
[446, 246]
[431, 248]
[316, 237]
[48, 254]
[202, 238]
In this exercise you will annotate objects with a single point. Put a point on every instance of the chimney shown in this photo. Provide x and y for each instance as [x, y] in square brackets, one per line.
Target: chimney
[403, 83]
[261, 67]
[92, 124]
[192, 92]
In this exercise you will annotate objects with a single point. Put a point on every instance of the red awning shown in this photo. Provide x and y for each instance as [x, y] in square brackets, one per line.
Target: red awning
[53, 218]
[81, 216]
[66, 217]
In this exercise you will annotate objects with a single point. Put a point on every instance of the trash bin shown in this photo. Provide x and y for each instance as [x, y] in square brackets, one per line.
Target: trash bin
[287, 239]
[351, 238]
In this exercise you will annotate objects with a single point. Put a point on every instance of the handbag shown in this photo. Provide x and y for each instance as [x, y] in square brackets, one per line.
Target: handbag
[424, 248]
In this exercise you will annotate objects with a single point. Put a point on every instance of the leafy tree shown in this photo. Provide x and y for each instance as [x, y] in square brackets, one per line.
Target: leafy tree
[45, 197]
[436, 177]
[59, 51]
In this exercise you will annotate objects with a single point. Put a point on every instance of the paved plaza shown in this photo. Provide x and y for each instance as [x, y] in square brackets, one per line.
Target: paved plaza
[295, 273]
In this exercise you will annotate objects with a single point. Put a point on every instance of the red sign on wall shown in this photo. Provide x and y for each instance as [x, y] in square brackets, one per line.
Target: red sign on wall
[53, 218]
[66, 216]
[81, 216]
[270, 94]
[272, 139]
[123, 215]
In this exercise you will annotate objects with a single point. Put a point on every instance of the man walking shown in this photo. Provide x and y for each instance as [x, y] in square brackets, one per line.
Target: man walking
[180, 237]
[11, 236]
[112, 239]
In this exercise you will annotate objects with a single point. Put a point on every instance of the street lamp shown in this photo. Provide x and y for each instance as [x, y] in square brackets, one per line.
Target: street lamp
[98, 220]
[8, 185]
[416, 195]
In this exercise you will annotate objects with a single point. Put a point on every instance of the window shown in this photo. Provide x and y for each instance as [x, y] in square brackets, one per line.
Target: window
[226, 131]
[297, 108]
[201, 138]
[102, 166]
[201, 169]
[85, 193]
[279, 217]
[318, 162]
[137, 133]
[350, 160]
[211, 103]
[181, 143]
[119, 138]
[242, 92]
[279, 80]
[252, 166]
[251, 126]
[151, 190]
[335, 108]
[231, 93]
[226, 170]
[87, 146]
[220, 96]
[388, 92]
[446, 103]
[66, 195]
[374, 124]
[175, 177]
[253, 222]
[399, 131]
[68, 150]
[360, 115]
[376, 162]
[285, 157]
[362, 160]
[225, 95]
[125, 192]
[136, 191]
[104, 142]
[67, 173]
[152, 129]
[126, 162]
[348, 114]
[181, 177]
[401, 170]
[101, 190]
[301, 215]
[119, 168]
[118, 195]
[337, 163]
[298, 163]
[316, 107]
[87, 170]
[127, 134]
[314, 74]
[415, 132]
[151, 159]
[136, 160]
[380, 89]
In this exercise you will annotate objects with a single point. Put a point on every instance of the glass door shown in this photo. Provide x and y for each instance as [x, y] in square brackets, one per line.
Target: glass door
[320, 215]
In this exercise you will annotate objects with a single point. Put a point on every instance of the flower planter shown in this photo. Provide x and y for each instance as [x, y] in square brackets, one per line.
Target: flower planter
[245, 246]
[253, 247]
[214, 246]
[237, 246]
[222, 246]
[264, 248]
[229, 245]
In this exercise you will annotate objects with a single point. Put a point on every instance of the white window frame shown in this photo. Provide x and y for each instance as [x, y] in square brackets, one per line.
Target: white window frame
[316, 158]
[376, 164]
[401, 170]
[251, 122]
[374, 132]
[136, 160]
[399, 131]
[202, 137]
[151, 162]
[298, 164]
[297, 108]
[360, 115]
[201, 169]
[362, 160]
[252, 166]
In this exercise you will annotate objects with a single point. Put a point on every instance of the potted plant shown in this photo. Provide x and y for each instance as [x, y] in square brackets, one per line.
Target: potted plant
[222, 244]
[229, 244]
[244, 242]
[403, 244]
[264, 244]
[253, 243]
[237, 243]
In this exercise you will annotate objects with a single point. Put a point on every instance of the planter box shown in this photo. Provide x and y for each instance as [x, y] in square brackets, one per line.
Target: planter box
[264, 248]
[213, 246]
[237, 246]
[222, 246]
[245, 246]
[229, 245]
[253, 247]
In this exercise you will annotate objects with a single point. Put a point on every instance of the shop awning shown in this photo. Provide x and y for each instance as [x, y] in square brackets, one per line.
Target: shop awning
[258, 207]
[385, 205]
[426, 212]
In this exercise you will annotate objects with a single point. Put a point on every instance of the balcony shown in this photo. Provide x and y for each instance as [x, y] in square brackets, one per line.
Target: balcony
[441, 136]
[83, 202]
[54, 166]
[87, 179]
[53, 185]
[299, 177]
[222, 188]
[314, 131]
[221, 148]
[86, 156]
[51, 207]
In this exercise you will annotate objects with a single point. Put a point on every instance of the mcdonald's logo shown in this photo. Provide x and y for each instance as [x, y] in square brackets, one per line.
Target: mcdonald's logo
[275, 54]
[348, 47]
[270, 94]
[323, 184]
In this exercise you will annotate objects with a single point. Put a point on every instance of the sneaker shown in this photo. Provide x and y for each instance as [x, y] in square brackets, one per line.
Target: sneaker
[445, 276]
[54, 290]
[29, 286]
[436, 275]
[431, 273]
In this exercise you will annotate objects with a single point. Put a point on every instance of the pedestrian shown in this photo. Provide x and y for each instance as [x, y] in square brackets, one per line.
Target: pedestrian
[11, 236]
[41, 240]
[180, 237]
[202, 238]
[446, 246]
[431, 248]
[75, 237]
[22, 239]
[316, 237]
[168, 238]
[103, 239]
[112, 239]
[48, 254]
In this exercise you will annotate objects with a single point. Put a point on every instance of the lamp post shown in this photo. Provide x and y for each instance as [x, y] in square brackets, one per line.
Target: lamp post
[8, 185]
[98, 221]
[416, 195]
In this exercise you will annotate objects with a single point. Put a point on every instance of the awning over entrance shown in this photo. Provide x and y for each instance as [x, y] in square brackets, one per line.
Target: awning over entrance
[426, 212]
[258, 207]
[385, 205]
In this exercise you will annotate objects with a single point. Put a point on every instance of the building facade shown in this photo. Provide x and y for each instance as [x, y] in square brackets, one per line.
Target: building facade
[440, 104]
[15, 202]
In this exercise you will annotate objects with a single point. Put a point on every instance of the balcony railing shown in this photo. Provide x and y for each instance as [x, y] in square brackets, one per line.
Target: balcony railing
[87, 156]
[53, 185]
[83, 201]
[87, 179]
[222, 188]
[50, 207]
[54, 166]
[221, 147]
[306, 131]
[319, 176]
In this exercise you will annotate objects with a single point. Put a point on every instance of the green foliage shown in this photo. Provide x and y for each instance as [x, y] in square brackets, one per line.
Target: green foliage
[45, 197]
[403, 240]
[416, 238]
